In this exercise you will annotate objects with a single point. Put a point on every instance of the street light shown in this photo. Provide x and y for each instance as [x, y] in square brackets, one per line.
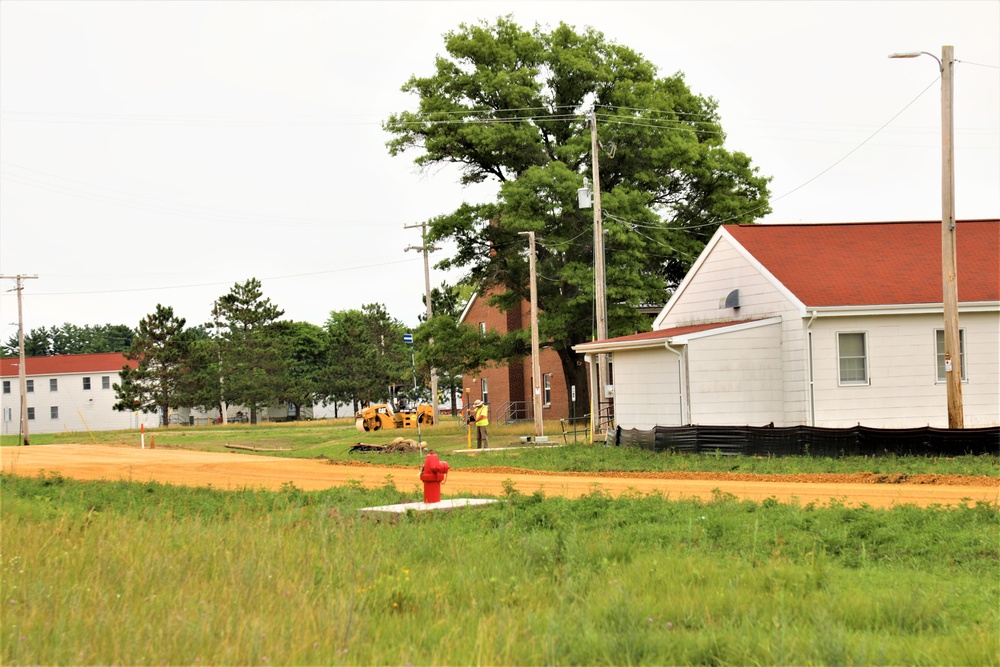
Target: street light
[952, 343]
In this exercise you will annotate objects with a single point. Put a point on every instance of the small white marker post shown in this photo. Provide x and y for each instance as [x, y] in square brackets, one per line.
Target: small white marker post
[142, 436]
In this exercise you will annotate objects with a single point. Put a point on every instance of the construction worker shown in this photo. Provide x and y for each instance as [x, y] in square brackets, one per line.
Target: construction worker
[481, 415]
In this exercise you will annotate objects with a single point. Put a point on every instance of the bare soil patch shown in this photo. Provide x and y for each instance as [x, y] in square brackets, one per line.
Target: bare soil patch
[233, 470]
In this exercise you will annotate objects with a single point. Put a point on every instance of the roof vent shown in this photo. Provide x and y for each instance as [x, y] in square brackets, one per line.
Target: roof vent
[733, 299]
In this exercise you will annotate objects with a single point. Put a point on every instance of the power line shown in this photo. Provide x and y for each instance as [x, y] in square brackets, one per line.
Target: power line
[217, 284]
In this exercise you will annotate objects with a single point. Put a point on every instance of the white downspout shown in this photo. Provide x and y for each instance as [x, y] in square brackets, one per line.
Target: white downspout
[812, 388]
[685, 410]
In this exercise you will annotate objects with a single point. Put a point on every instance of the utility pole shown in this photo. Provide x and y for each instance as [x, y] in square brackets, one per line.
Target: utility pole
[536, 366]
[599, 279]
[426, 250]
[949, 261]
[223, 408]
[949, 244]
[21, 373]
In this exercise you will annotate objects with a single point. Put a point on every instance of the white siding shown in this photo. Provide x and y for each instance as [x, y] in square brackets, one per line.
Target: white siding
[647, 388]
[903, 390]
[722, 271]
[79, 409]
[736, 378]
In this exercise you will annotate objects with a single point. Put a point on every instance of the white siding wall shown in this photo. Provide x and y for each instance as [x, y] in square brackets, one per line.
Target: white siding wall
[647, 388]
[736, 378]
[724, 270]
[79, 409]
[903, 390]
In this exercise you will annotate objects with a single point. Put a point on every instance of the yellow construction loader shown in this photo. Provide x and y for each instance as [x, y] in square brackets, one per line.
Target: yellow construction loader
[380, 416]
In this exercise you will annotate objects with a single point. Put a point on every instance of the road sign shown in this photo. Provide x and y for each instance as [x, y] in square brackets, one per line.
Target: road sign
[408, 339]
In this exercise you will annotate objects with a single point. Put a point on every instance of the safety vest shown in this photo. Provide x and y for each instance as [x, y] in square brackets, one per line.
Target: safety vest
[483, 415]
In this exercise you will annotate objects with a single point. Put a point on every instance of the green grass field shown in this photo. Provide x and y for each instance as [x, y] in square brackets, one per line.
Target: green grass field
[134, 574]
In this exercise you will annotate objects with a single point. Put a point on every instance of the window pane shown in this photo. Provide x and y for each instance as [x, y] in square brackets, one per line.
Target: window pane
[31, 413]
[939, 351]
[6, 386]
[53, 384]
[105, 382]
[54, 411]
[86, 383]
[852, 357]
[29, 385]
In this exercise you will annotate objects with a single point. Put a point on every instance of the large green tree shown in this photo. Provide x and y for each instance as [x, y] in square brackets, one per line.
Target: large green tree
[514, 106]
[367, 355]
[160, 350]
[305, 347]
[253, 367]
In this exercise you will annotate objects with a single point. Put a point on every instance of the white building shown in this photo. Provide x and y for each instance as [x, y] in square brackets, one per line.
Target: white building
[71, 392]
[828, 325]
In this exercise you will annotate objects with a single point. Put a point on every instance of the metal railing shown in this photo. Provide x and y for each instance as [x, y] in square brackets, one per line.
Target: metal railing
[513, 411]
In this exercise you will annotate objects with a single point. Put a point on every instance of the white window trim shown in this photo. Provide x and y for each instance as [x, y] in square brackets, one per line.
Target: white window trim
[868, 376]
[547, 390]
[962, 353]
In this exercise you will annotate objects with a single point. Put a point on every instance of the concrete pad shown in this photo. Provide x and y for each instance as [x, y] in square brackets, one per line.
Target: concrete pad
[403, 508]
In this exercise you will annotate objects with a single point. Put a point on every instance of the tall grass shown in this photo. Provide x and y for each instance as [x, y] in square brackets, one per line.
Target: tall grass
[129, 573]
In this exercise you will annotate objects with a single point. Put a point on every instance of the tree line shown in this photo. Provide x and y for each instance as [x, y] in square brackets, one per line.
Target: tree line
[247, 356]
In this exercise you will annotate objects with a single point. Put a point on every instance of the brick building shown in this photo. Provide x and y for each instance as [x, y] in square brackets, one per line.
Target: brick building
[507, 389]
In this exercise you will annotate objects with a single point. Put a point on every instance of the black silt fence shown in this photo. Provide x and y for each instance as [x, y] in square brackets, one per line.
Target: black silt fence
[811, 441]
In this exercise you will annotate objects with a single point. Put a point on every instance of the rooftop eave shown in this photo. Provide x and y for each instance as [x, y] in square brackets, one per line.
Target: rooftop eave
[899, 309]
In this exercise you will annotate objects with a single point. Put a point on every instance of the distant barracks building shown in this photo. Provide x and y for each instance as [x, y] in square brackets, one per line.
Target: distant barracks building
[71, 392]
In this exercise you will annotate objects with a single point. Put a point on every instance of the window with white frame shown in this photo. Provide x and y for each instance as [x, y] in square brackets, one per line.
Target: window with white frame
[53, 384]
[31, 414]
[547, 389]
[6, 386]
[482, 328]
[54, 412]
[939, 349]
[486, 391]
[8, 414]
[29, 386]
[105, 382]
[852, 351]
[86, 384]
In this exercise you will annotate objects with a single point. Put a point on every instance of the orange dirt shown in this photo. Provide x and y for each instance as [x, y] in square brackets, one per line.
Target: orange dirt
[233, 470]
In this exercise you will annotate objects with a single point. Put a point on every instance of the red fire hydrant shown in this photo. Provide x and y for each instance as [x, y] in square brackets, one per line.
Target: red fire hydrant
[433, 475]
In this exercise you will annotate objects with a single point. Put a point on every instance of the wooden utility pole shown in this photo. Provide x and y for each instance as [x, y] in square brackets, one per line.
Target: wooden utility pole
[426, 250]
[536, 366]
[599, 282]
[21, 373]
[949, 261]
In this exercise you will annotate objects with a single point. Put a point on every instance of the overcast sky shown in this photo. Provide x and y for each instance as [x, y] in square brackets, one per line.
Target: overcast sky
[159, 152]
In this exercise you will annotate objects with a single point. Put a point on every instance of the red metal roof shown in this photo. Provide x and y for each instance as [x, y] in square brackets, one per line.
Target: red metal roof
[878, 263]
[663, 334]
[109, 362]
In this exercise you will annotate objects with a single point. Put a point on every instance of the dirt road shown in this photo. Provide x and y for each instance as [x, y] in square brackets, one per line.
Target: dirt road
[238, 470]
